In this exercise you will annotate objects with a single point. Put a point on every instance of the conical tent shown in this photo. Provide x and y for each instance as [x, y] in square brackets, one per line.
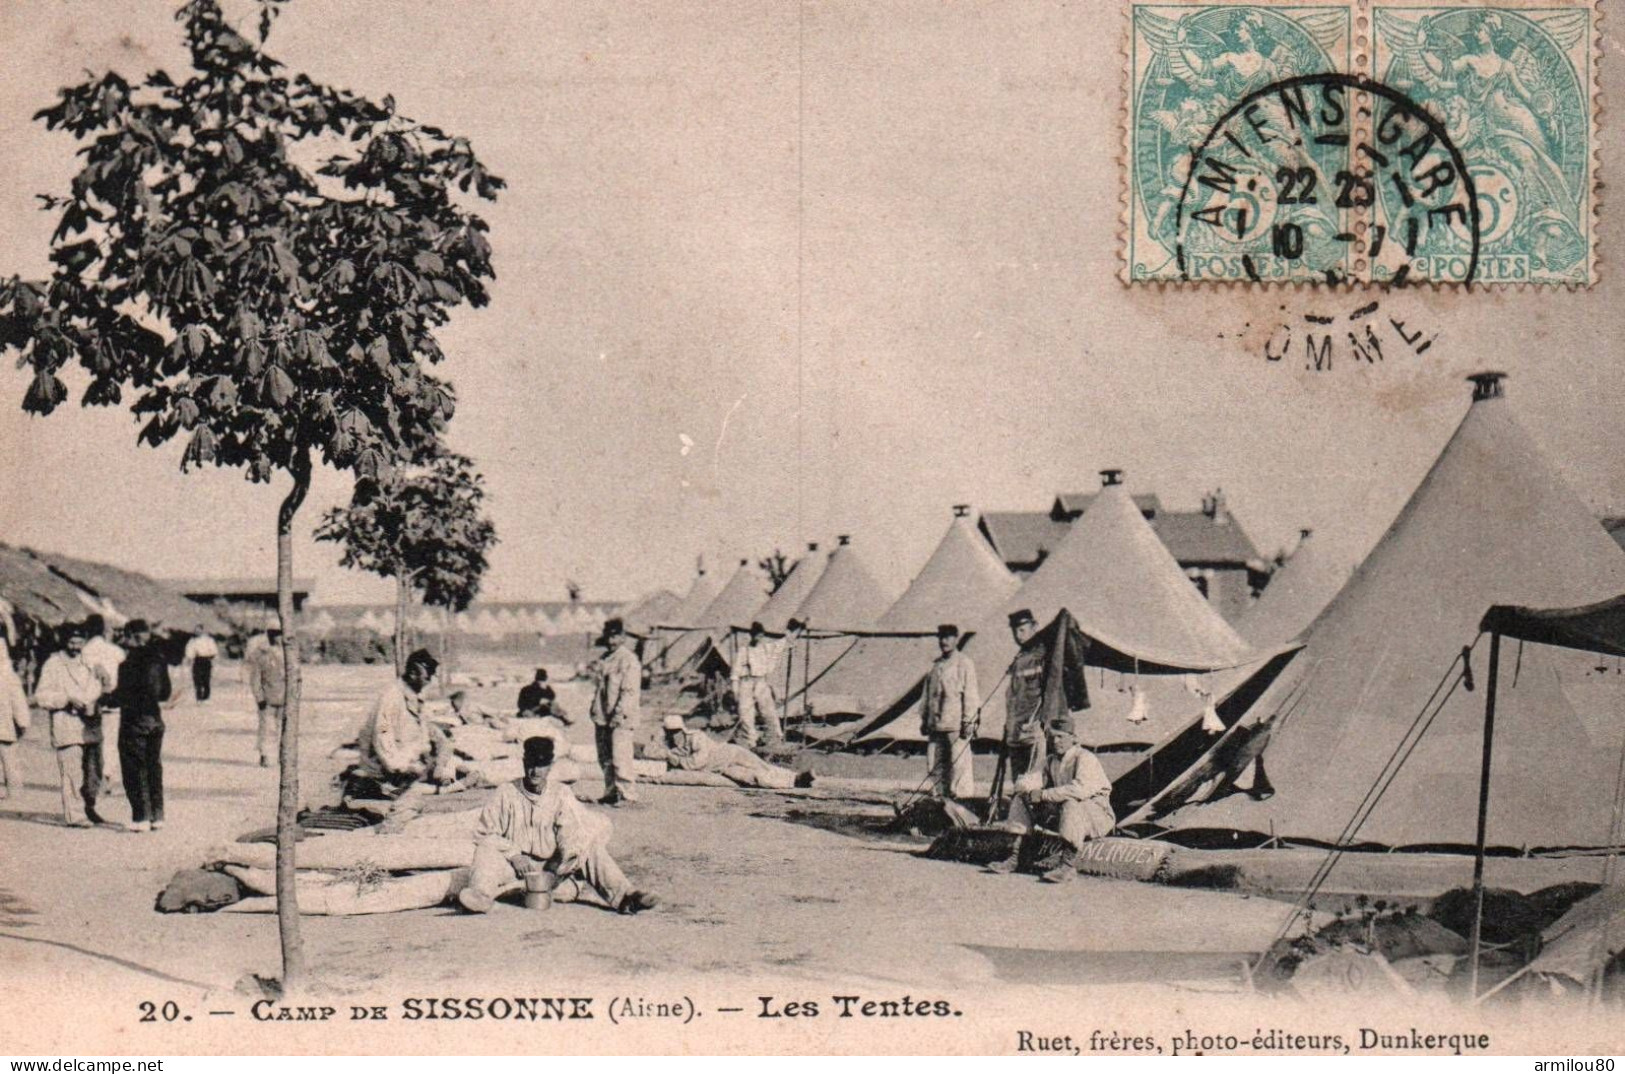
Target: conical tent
[847, 597]
[1492, 523]
[1300, 590]
[742, 595]
[962, 582]
[786, 601]
[1141, 613]
[650, 610]
[683, 619]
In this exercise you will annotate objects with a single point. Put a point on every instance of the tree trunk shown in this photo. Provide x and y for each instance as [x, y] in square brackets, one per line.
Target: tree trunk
[403, 598]
[287, 805]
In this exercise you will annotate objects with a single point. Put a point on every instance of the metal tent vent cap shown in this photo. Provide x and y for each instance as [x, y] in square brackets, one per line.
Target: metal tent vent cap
[1111, 477]
[1488, 385]
[961, 510]
[844, 539]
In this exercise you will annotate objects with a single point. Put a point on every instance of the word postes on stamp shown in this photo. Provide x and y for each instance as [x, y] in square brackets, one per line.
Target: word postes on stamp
[1375, 143]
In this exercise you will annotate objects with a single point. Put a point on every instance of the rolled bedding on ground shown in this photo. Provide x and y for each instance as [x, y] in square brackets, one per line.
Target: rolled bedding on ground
[339, 894]
[389, 853]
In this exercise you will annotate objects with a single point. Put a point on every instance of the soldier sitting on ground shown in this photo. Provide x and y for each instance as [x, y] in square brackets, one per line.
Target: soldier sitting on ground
[1070, 795]
[536, 824]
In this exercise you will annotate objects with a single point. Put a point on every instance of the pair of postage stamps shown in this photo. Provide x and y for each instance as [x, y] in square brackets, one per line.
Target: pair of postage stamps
[1363, 141]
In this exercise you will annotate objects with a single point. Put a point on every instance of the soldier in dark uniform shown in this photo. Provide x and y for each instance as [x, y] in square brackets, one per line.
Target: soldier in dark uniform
[1023, 730]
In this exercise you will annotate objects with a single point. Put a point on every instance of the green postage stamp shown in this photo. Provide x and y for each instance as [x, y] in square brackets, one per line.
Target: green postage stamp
[1383, 141]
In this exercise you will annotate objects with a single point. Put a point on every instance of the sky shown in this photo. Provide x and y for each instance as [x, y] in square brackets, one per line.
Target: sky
[771, 272]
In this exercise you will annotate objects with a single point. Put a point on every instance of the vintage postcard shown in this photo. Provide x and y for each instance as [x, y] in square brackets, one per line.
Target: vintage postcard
[1361, 142]
[810, 527]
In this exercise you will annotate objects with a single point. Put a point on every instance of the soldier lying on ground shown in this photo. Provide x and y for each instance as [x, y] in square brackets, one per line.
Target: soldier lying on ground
[536, 823]
[695, 751]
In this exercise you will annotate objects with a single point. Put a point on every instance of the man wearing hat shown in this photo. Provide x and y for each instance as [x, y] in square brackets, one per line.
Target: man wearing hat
[398, 745]
[616, 707]
[1023, 730]
[755, 670]
[536, 824]
[952, 706]
[537, 698]
[143, 687]
[71, 691]
[692, 750]
[1070, 795]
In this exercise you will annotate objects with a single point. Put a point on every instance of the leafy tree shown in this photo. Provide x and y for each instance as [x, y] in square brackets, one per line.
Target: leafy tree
[273, 309]
[424, 527]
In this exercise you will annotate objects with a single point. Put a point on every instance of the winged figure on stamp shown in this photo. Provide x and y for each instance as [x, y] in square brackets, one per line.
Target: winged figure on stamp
[1501, 103]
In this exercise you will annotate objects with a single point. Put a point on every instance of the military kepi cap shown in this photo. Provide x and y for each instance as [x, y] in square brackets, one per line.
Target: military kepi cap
[538, 751]
[1025, 615]
[947, 630]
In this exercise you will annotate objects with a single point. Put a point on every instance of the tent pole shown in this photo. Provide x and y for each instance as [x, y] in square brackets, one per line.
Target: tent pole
[1483, 811]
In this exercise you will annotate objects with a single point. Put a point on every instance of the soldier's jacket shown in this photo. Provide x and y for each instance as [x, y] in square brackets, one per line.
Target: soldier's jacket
[620, 687]
[951, 696]
[1024, 695]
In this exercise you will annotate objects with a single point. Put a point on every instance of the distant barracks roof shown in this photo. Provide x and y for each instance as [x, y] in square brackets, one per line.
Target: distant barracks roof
[1195, 538]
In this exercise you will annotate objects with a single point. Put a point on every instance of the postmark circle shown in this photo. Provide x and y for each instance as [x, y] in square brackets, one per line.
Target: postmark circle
[1279, 187]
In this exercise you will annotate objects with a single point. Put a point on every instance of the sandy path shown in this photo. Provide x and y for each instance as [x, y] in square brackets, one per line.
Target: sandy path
[745, 896]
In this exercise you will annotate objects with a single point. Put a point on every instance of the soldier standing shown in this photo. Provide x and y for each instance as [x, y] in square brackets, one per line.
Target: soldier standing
[616, 707]
[952, 708]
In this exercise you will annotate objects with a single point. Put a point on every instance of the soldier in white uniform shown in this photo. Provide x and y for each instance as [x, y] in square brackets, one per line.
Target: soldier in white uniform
[616, 709]
[536, 823]
[757, 668]
[952, 707]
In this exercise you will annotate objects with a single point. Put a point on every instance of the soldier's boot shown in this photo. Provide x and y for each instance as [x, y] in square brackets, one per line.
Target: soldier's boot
[1065, 870]
[1008, 865]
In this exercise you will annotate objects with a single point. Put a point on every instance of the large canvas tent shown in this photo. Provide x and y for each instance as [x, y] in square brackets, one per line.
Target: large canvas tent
[1372, 734]
[682, 620]
[647, 611]
[847, 597]
[1149, 628]
[786, 600]
[742, 595]
[1297, 593]
[961, 583]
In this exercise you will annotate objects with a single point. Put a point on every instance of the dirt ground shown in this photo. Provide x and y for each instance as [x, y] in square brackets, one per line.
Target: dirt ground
[748, 897]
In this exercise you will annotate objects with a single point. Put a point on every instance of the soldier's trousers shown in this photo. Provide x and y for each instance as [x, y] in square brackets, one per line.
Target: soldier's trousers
[1077, 822]
[756, 700]
[270, 732]
[615, 758]
[949, 759]
[80, 769]
[584, 874]
[747, 769]
[11, 768]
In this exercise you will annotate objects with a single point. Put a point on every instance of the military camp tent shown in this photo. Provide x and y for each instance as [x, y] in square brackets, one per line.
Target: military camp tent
[962, 583]
[786, 601]
[1373, 733]
[642, 614]
[682, 622]
[847, 597]
[739, 599]
[1296, 593]
[1150, 630]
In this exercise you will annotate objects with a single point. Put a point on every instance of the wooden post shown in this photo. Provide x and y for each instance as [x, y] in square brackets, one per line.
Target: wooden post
[1483, 811]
